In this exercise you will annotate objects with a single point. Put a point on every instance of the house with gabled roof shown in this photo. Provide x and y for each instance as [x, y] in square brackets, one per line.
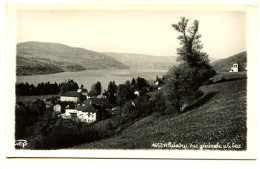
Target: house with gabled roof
[69, 96]
[86, 113]
[89, 110]
[91, 94]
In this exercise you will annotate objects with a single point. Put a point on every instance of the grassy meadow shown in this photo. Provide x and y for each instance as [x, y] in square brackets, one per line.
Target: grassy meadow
[29, 99]
[218, 117]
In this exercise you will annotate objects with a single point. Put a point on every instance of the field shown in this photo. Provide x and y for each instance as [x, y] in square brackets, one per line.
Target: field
[218, 118]
[29, 99]
[227, 76]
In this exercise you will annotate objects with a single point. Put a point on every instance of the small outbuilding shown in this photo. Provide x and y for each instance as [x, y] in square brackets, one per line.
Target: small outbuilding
[234, 68]
[57, 108]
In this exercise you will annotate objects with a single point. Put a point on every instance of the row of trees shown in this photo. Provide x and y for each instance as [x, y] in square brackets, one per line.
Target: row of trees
[25, 89]
[69, 85]
[125, 92]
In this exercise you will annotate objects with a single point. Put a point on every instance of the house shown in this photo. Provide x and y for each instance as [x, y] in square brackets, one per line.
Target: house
[90, 110]
[57, 108]
[101, 96]
[91, 94]
[234, 68]
[86, 113]
[69, 96]
[69, 114]
[83, 91]
[99, 102]
[48, 104]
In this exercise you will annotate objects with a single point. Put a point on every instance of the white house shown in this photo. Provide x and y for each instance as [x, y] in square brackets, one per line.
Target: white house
[57, 108]
[71, 96]
[86, 113]
[234, 68]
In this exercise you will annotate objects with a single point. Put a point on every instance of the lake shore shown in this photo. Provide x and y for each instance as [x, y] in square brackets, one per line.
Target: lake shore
[89, 77]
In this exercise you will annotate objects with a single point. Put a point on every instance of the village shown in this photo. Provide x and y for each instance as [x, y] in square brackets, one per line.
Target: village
[89, 107]
[83, 106]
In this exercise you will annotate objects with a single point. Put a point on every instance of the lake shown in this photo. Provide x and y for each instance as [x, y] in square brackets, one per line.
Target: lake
[89, 77]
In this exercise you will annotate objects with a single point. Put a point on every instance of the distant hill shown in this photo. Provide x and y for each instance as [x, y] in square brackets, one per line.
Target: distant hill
[140, 61]
[223, 65]
[41, 58]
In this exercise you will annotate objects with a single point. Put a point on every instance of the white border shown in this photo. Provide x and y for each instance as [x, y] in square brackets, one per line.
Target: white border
[10, 47]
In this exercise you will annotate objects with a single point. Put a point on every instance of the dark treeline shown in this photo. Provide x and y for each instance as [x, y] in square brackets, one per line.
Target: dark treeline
[26, 89]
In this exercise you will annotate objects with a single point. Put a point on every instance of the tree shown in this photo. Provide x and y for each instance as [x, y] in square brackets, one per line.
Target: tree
[68, 86]
[133, 82]
[194, 70]
[129, 91]
[111, 92]
[140, 83]
[97, 87]
[158, 100]
[121, 94]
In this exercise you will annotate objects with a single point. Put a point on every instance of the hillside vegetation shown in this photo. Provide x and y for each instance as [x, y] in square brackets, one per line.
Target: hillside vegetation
[218, 117]
[26, 66]
[224, 65]
[140, 61]
[42, 58]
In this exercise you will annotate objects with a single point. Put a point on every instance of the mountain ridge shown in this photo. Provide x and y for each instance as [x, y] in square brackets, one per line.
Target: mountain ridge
[143, 61]
[56, 54]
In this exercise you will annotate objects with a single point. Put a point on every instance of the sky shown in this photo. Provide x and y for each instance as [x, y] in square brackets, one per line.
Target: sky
[133, 31]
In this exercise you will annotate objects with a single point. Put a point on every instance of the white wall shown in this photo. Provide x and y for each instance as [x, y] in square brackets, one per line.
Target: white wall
[57, 108]
[68, 111]
[87, 117]
[82, 116]
[66, 98]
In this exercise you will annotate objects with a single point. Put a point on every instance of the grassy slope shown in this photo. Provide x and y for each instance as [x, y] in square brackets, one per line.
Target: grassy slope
[27, 66]
[219, 116]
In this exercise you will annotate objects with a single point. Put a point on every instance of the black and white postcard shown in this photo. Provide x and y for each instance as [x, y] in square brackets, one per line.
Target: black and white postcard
[131, 81]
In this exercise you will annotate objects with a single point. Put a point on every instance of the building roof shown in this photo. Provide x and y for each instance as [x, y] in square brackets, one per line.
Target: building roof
[89, 108]
[87, 101]
[70, 94]
[92, 93]
[80, 107]
[100, 102]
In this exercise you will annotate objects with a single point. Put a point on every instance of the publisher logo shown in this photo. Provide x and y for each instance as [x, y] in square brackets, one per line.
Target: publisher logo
[21, 143]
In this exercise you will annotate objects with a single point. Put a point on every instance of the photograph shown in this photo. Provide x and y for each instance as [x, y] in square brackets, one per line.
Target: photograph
[90, 80]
